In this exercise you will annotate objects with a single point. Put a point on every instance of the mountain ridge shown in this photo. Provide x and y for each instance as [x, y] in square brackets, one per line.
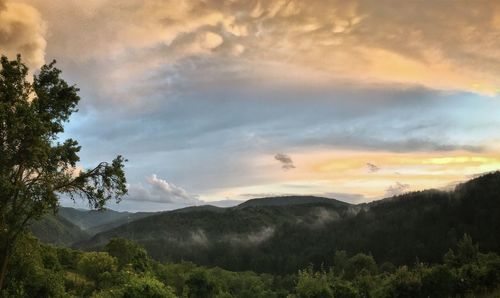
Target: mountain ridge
[399, 229]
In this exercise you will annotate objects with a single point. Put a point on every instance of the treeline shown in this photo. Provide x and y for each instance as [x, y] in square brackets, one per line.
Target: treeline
[281, 239]
[124, 269]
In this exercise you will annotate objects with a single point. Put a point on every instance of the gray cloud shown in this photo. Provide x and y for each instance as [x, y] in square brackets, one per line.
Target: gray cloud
[224, 203]
[252, 238]
[179, 136]
[285, 160]
[321, 216]
[161, 191]
[248, 196]
[397, 189]
[199, 237]
[352, 198]
[372, 168]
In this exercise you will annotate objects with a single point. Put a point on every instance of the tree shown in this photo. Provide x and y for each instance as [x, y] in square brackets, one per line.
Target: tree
[35, 166]
[466, 252]
[312, 284]
[97, 266]
[199, 285]
[360, 264]
[129, 253]
[146, 286]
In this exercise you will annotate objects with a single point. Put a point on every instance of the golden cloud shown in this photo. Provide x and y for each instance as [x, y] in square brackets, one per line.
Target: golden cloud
[431, 43]
[22, 31]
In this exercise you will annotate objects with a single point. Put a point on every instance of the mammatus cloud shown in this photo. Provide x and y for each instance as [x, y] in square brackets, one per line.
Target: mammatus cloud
[161, 191]
[285, 160]
[397, 189]
[372, 168]
[22, 31]
[322, 41]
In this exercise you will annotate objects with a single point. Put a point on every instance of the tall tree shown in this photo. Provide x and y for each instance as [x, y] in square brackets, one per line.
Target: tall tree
[36, 167]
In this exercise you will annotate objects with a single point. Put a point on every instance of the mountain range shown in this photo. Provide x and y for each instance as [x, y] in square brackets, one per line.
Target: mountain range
[283, 234]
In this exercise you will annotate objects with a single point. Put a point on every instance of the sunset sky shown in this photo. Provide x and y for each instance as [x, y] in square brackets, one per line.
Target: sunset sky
[231, 100]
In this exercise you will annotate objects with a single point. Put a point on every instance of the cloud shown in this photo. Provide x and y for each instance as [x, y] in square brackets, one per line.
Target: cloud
[22, 31]
[321, 216]
[224, 203]
[397, 189]
[186, 83]
[285, 160]
[199, 237]
[317, 41]
[372, 168]
[161, 191]
[352, 198]
[252, 238]
[248, 196]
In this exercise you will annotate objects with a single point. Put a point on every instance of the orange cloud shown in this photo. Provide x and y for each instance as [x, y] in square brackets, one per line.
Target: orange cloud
[332, 171]
[448, 47]
[22, 31]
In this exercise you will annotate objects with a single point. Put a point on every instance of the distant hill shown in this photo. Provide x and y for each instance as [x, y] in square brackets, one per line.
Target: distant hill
[286, 233]
[57, 230]
[288, 201]
[75, 225]
[193, 233]
[94, 221]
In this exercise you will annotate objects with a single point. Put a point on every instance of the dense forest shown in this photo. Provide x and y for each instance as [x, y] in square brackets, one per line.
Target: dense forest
[124, 269]
[285, 234]
[414, 245]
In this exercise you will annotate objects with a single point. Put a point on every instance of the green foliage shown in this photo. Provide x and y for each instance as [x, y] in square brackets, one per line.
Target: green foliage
[47, 271]
[129, 253]
[37, 272]
[54, 229]
[466, 252]
[281, 238]
[35, 165]
[126, 270]
[438, 281]
[147, 287]
[403, 283]
[200, 285]
[312, 284]
[360, 264]
[98, 267]
[344, 289]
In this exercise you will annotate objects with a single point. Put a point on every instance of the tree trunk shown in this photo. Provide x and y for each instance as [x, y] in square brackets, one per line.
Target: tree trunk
[3, 269]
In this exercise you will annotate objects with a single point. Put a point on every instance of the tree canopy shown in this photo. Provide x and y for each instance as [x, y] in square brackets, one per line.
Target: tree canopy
[36, 166]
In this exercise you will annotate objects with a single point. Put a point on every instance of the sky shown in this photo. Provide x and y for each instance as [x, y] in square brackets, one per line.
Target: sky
[223, 101]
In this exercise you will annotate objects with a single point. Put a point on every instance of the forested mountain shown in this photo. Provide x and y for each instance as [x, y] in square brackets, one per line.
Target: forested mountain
[289, 200]
[72, 225]
[57, 230]
[277, 237]
[95, 221]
